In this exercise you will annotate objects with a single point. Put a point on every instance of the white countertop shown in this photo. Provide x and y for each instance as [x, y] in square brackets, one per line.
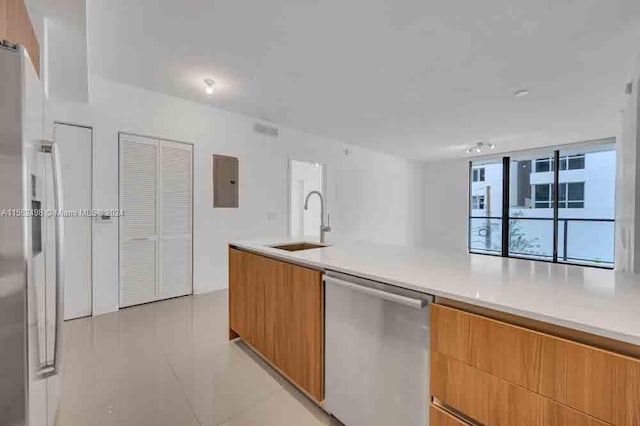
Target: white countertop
[592, 300]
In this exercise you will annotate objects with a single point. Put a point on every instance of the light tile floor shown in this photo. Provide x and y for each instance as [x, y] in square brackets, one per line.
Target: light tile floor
[170, 363]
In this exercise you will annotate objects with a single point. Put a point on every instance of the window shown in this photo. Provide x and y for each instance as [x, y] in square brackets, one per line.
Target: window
[485, 207]
[477, 202]
[543, 196]
[575, 162]
[570, 162]
[544, 165]
[537, 223]
[478, 174]
[571, 195]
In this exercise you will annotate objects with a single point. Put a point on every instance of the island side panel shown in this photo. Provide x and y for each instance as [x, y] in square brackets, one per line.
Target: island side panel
[299, 328]
[278, 309]
[246, 298]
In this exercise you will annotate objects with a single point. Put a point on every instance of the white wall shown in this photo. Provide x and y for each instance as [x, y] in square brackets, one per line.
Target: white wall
[445, 206]
[67, 62]
[61, 31]
[628, 182]
[371, 196]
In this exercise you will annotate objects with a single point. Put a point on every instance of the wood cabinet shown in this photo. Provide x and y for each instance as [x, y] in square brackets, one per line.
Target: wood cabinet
[277, 308]
[439, 417]
[246, 297]
[486, 368]
[603, 384]
[15, 26]
[506, 351]
[490, 400]
[295, 315]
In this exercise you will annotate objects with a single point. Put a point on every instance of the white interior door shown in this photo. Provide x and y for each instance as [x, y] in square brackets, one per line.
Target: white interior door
[138, 225]
[175, 219]
[76, 154]
[156, 227]
[305, 177]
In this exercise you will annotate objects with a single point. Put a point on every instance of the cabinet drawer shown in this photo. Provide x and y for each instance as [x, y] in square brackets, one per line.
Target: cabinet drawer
[491, 401]
[602, 384]
[439, 417]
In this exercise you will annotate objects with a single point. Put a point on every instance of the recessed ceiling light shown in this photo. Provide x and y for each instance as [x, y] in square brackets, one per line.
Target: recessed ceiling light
[480, 146]
[521, 93]
[209, 83]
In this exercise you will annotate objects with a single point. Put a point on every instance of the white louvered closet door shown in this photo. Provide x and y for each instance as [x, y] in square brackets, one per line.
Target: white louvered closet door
[175, 219]
[138, 225]
[156, 229]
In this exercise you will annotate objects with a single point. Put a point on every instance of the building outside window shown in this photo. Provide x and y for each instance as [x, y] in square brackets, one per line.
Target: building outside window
[544, 165]
[543, 196]
[571, 195]
[478, 174]
[580, 230]
[570, 162]
[477, 202]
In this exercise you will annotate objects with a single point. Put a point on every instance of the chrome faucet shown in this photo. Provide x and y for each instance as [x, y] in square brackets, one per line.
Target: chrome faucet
[323, 228]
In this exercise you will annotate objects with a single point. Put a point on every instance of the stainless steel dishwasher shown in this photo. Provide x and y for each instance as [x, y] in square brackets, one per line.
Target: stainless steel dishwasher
[376, 352]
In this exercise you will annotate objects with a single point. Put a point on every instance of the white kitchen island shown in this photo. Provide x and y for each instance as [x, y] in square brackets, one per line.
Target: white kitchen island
[593, 300]
[506, 341]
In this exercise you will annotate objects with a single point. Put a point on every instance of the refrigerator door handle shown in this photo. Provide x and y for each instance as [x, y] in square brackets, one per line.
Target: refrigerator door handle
[49, 147]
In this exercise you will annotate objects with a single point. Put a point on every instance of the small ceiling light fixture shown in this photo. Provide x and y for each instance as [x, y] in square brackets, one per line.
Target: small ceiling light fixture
[479, 147]
[521, 93]
[209, 83]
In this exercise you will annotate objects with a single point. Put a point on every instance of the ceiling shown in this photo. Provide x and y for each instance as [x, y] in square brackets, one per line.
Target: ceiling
[419, 79]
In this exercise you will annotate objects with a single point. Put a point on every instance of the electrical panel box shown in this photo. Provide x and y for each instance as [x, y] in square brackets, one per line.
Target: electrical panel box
[225, 181]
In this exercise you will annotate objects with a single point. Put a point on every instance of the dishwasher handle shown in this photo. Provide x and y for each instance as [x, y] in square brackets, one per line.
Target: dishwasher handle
[412, 302]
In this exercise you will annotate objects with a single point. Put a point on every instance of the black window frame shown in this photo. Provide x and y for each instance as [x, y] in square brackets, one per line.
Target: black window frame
[555, 203]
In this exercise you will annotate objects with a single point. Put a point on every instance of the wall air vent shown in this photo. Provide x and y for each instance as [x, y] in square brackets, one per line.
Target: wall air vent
[266, 129]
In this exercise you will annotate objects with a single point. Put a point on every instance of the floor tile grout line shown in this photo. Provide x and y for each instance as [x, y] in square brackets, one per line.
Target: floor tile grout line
[124, 333]
[174, 372]
[259, 401]
[252, 406]
[182, 389]
[195, 414]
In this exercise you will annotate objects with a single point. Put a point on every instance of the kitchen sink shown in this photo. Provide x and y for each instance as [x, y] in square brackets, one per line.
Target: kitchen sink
[298, 246]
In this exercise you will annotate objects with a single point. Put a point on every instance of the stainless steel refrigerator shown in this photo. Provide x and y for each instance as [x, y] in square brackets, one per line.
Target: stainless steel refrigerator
[31, 252]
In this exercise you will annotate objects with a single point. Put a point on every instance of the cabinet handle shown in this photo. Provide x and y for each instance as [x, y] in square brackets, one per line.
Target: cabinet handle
[381, 294]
